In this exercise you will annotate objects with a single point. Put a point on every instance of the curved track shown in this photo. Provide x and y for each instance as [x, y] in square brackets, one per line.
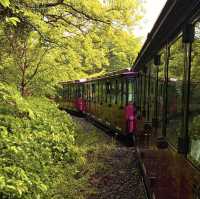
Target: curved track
[119, 176]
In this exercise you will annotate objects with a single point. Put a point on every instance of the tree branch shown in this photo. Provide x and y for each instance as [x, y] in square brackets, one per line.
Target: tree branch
[90, 17]
[37, 67]
[56, 18]
[70, 7]
[47, 5]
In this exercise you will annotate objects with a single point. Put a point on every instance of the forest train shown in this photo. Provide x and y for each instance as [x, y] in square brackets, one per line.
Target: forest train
[109, 99]
[161, 91]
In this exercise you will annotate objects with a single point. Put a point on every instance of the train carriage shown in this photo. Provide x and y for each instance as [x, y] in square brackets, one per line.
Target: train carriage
[108, 99]
[72, 96]
[172, 101]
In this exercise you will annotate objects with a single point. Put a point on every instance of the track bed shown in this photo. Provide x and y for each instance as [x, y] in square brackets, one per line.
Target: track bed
[114, 167]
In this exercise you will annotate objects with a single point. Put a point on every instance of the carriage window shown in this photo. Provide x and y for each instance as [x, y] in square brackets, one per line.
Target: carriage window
[116, 91]
[77, 91]
[142, 91]
[74, 92]
[160, 90]
[161, 67]
[194, 116]
[130, 91]
[113, 91]
[154, 70]
[148, 93]
[101, 92]
[110, 93]
[72, 88]
[136, 91]
[84, 91]
[144, 79]
[152, 97]
[88, 91]
[108, 90]
[90, 86]
[139, 91]
[81, 90]
[64, 93]
[70, 92]
[122, 92]
[175, 77]
[125, 87]
[119, 93]
[160, 101]
[71, 96]
[104, 91]
[98, 91]
[93, 92]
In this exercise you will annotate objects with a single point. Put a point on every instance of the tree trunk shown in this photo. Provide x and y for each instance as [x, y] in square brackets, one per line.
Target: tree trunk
[23, 84]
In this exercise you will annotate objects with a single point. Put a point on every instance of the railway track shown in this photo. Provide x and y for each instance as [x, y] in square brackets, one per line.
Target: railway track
[119, 176]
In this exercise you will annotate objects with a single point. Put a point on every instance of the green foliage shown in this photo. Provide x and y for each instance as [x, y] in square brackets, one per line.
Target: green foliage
[37, 147]
[195, 55]
[44, 43]
[5, 3]
[12, 20]
[176, 61]
[195, 126]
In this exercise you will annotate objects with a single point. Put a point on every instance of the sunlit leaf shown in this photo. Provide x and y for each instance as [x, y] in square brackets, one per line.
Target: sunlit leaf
[5, 3]
[12, 20]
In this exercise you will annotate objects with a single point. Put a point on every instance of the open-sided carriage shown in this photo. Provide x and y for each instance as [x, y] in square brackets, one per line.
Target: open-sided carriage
[109, 99]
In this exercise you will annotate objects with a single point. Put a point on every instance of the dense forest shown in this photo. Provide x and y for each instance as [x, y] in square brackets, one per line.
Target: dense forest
[42, 43]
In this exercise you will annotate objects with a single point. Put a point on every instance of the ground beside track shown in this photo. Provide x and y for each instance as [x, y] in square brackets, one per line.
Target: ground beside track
[111, 168]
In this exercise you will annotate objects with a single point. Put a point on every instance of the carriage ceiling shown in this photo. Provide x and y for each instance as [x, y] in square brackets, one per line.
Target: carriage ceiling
[168, 25]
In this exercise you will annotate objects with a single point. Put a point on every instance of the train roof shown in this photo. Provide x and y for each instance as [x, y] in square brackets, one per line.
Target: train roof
[167, 27]
[78, 81]
[127, 72]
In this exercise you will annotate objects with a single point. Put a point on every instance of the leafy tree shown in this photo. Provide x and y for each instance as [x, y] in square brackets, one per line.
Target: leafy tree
[62, 40]
[37, 147]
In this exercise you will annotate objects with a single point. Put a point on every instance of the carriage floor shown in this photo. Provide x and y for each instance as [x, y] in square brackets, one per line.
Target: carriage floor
[168, 175]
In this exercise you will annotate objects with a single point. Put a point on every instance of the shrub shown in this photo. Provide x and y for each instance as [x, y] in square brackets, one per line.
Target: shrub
[37, 149]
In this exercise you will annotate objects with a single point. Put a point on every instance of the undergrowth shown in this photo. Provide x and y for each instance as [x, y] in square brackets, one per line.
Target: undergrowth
[37, 149]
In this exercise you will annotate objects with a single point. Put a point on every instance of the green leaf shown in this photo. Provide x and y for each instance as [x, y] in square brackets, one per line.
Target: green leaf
[43, 187]
[5, 3]
[2, 182]
[12, 20]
